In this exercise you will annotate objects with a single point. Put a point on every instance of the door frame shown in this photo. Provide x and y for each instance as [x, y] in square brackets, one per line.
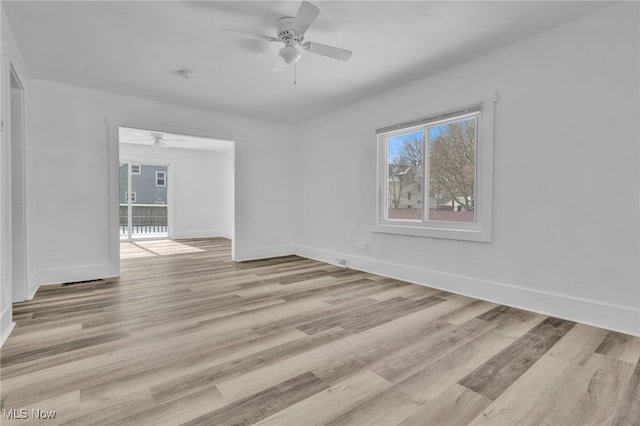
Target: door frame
[19, 258]
[112, 127]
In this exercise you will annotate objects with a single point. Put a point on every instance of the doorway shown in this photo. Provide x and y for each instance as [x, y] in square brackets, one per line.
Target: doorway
[18, 190]
[143, 200]
[189, 189]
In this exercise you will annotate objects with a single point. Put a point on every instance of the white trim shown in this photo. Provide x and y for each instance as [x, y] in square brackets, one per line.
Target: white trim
[615, 317]
[263, 252]
[113, 168]
[164, 178]
[481, 229]
[24, 286]
[6, 325]
[32, 291]
[418, 231]
[210, 233]
[114, 180]
[53, 276]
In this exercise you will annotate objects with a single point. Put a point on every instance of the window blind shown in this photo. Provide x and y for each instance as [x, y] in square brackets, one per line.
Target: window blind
[432, 119]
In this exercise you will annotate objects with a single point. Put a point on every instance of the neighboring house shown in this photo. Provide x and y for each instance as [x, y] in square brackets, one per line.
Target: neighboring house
[148, 183]
[405, 187]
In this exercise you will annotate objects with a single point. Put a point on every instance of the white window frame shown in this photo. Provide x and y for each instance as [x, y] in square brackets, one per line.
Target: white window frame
[139, 169]
[164, 178]
[481, 229]
[133, 197]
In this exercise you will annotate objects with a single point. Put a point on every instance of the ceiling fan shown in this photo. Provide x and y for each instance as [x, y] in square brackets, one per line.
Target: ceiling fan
[290, 31]
[157, 139]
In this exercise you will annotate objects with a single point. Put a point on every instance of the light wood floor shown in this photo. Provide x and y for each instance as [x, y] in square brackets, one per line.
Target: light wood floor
[187, 336]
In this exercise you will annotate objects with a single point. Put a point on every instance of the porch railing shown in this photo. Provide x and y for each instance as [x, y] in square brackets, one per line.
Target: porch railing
[149, 219]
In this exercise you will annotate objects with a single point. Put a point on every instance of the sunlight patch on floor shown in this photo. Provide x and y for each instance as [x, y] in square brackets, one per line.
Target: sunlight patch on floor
[130, 250]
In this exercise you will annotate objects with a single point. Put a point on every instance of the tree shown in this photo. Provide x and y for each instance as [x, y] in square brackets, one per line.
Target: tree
[451, 165]
[405, 170]
[397, 183]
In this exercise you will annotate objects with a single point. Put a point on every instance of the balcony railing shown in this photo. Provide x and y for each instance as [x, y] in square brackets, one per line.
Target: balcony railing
[146, 220]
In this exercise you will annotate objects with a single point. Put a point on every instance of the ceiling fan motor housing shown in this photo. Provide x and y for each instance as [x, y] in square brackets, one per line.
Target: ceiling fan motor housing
[286, 32]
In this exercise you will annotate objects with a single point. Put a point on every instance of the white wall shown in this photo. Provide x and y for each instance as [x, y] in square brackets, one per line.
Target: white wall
[11, 56]
[566, 176]
[202, 188]
[70, 170]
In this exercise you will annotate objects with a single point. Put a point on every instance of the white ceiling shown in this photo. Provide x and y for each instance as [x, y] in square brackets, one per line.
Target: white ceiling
[173, 140]
[134, 47]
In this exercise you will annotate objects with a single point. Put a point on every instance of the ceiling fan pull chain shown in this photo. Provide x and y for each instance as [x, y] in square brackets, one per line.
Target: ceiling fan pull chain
[295, 74]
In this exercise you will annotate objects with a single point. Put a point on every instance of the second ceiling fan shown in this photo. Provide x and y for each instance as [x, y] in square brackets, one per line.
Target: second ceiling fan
[290, 31]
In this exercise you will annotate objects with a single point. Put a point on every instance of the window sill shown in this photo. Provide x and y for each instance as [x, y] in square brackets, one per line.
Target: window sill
[446, 233]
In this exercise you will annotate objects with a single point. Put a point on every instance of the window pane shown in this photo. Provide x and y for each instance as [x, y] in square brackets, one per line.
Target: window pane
[452, 171]
[405, 162]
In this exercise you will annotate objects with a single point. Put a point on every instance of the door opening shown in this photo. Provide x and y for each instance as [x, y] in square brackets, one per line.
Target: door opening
[144, 201]
[174, 186]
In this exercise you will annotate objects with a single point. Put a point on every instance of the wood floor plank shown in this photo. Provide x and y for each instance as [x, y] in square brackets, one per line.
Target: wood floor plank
[187, 336]
[467, 313]
[543, 382]
[455, 406]
[442, 341]
[241, 365]
[256, 407]
[628, 410]
[620, 346]
[330, 402]
[497, 374]
[595, 392]
[388, 407]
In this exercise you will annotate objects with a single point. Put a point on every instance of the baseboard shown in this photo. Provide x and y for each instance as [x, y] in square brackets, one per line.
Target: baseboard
[33, 289]
[624, 319]
[72, 274]
[263, 252]
[6, 325]
[212, 233]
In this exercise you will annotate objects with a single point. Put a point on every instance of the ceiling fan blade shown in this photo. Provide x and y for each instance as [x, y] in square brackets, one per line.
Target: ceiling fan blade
[307, 13]
[279, 65]
[329, 51]
[159, 144]
[251, 35]
[172, 140]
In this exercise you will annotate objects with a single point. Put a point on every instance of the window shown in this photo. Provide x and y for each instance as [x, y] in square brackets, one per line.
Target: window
[133, 197]
[135, 169]
[161, 178]
[435, 176]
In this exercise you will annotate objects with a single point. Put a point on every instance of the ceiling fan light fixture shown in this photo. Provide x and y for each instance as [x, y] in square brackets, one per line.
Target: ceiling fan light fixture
[289, 54]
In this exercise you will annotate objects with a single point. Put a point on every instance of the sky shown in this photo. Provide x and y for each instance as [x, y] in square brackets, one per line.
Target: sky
[395, 143]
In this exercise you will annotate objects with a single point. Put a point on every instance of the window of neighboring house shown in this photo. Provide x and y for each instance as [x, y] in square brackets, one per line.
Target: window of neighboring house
[135, 169]
[446, 161]
[161, 178]
[130, 194]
